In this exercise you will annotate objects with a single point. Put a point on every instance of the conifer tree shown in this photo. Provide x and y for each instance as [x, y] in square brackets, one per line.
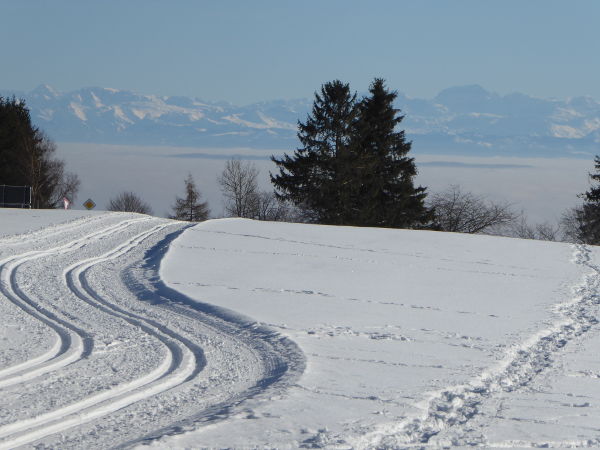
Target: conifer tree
[588, 216]
[27, 158]
[353, 167]
[190, 208]
[382, 190]
[315, 178]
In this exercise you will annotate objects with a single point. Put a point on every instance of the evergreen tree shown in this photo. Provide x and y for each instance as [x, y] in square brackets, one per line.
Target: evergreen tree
[352, 168]
[190, 208]
[27, 158]
[382, 189]
[588, 216]
[16, 137]
[315, 178]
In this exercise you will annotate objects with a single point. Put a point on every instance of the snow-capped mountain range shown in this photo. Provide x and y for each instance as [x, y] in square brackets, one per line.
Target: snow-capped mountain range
[460, 120]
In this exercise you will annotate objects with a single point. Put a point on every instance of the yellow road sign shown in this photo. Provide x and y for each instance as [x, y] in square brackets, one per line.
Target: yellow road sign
[89, 204]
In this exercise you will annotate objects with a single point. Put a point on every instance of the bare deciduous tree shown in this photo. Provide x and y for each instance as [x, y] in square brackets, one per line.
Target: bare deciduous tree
[66, 185]
[49, 181]
[571, 225]
[129, 202]
[240, 188]
[540, 231]
[190, 208]
[269, 207]
[464, 212]
[547, 232]
[243, 199]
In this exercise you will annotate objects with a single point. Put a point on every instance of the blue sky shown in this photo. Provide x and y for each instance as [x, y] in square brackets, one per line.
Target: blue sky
[246, 51]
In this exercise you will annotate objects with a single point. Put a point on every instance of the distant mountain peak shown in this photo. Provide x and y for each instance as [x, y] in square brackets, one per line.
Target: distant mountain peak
[466, 93]
[45, 90]
[466, 89]
[459, 120]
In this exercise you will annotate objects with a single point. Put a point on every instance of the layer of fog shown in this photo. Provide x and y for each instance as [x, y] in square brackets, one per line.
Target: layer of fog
[542, 187]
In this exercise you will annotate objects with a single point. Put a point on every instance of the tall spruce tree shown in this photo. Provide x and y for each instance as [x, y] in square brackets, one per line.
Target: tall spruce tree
[190, 208]
[383, 193]
[588, 216]
[27, 158]
[17, 136]
[316, 177]
[352, 168]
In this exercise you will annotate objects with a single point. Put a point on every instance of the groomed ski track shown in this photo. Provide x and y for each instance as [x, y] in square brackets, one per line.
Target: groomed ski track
[114, 358]
[119, 358]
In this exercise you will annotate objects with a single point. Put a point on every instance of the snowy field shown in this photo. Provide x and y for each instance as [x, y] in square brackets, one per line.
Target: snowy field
[132, 331]
[25, 221]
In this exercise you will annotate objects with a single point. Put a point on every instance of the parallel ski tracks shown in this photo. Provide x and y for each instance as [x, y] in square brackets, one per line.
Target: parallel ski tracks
[181, 359]
[70, 342]
[53, 230]
[179, 365]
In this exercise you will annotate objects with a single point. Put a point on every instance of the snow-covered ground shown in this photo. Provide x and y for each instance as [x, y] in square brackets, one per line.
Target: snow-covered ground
[126, 330]
[409, 336]
[14, 222]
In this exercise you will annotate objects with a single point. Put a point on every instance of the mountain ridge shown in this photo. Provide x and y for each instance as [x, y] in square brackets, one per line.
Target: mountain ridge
[459, 120]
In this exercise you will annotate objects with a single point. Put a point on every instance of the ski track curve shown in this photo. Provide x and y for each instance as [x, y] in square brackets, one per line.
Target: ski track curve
[71, 343]
[175, 369]
[284, 360]
[184, 360]
[451, 409]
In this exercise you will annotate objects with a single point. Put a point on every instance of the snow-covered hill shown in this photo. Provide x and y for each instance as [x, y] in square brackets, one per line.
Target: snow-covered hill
[122, 329]
[411, 337]
[464, 120]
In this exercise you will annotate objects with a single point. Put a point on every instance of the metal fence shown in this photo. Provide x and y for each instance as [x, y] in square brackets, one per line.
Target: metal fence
[15, 196]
